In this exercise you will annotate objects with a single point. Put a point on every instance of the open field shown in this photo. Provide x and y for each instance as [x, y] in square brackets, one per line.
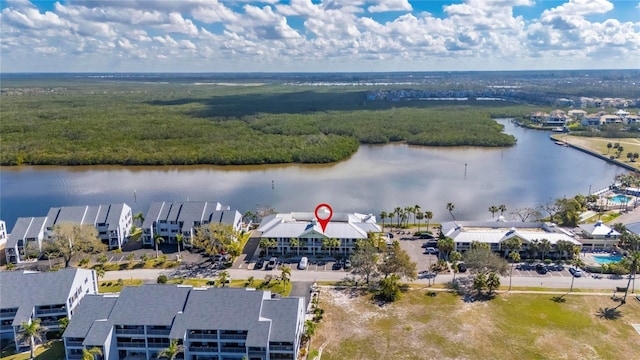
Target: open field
[510, 326]
[599, 145]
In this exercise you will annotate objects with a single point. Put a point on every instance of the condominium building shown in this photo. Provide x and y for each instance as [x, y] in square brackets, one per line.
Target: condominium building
[346, 228]
[211, 323]
[3, 242]
[48, 296]
[168, 219]
[494, 233]
[25, 239]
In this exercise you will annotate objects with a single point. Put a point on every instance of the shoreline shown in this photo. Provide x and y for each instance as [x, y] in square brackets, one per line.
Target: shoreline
[558, 138]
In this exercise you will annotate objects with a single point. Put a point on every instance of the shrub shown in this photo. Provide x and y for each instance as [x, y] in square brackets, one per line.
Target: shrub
[162, 279]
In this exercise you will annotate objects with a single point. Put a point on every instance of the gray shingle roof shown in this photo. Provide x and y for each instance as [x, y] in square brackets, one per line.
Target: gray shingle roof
[149, 305]
[284, 315]
[113, 216]
[25, 290]
[189, 212]
[90, 309]
[25, 227]
[93, 215]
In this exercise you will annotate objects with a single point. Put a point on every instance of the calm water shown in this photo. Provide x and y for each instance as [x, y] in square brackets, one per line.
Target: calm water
[374, 179]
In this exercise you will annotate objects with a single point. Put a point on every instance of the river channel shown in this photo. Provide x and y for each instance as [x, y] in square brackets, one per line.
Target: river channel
[374, 179]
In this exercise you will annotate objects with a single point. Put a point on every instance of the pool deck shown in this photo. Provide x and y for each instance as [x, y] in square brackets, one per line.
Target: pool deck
[588, 257]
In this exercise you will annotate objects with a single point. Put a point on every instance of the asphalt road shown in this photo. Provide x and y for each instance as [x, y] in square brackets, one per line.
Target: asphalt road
[548, 280]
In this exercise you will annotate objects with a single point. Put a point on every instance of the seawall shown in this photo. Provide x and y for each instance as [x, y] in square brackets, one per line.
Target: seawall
[556, 137]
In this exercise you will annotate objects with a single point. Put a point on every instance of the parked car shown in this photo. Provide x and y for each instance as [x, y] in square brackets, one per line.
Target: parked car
[347, 264]
[272, 263]
[462, 267]
[541, 269]
[302, 265]
[259, 264]
[575, 272]
[337, 265]
[431, 251]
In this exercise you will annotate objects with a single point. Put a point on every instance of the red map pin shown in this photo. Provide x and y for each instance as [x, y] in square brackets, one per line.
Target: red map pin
[323, 215]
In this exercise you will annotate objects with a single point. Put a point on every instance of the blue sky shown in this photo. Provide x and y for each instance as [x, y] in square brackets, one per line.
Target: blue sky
[317, 35]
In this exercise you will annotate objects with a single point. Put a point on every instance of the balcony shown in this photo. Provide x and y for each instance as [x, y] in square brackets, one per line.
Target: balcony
[233, 337]
[6, 328]
[74, 343]
[158, 332]
[280, 348]
[207, 349]
[51, 311]
[131, 344]
[233, 349]
[130, 331]
[203, 336]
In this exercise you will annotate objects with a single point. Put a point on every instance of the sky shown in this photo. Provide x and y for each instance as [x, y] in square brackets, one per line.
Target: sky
[317, 35]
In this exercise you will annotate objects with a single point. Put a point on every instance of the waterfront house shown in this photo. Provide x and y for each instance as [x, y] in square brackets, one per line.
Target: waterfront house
[495, 233]
[598, 235]
[576, 114]
[632, 119]
[25, 239]
[539, 117]
[347, 228]
[591, 120]
[556, 118]
[48, 296]
[211, 323]
[610, 119]
[168, 219]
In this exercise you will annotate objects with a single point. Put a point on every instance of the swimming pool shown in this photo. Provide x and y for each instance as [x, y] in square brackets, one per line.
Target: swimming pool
[606, 259]
[620, 199]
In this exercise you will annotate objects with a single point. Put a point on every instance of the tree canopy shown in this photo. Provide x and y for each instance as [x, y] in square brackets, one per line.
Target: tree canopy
[70, 239]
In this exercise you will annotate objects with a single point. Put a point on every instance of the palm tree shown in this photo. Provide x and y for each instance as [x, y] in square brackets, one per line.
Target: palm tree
[383, 215]
[416, 210]
[534, 246]
[514, 257]
[31, 333]
[285, 274]
[609, 146]
[157, 240]
[266, 243]
[446, 246]
[179, 238]
[330, 243]
[172, 351]
[545, 247]
[428, 215]
[419, 217]
[576, 262]
[512, 244]
[450, 207]
[493, 210]
[633, 261]
[502, 209]
[223, 276]
[295, 242]
[398, 212]
[454, 257]
[564, 246]
[493, 282]
[90, 354]
[139, 217]
[99, 271]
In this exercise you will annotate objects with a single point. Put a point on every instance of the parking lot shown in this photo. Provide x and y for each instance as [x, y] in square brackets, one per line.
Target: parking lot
[313, 265]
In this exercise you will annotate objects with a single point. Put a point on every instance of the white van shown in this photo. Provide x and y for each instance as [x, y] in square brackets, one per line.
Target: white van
[302, 265]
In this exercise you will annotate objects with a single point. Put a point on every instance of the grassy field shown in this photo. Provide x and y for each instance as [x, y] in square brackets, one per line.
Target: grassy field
[510, 326]
[599, 145]
[276, 287]
[52, 350]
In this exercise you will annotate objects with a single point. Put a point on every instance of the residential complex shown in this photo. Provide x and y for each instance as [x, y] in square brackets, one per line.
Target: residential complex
[113, 223]
[211, 323]
[3, 242]
[347, 228]
[598, 236]
[48, 296]
[558, 118]
[168, 219]
[495, 233]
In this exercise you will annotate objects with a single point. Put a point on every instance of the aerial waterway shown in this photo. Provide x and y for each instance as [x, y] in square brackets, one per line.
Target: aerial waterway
[376, 178]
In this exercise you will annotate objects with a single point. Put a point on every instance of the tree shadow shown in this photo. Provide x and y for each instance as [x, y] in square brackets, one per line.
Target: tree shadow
[609, 313]
[559, 299]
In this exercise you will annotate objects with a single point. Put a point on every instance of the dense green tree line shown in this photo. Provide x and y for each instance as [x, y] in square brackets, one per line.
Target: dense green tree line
[135, 124]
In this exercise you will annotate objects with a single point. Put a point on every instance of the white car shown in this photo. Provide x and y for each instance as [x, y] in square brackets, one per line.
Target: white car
[302, 265]
[575, 272]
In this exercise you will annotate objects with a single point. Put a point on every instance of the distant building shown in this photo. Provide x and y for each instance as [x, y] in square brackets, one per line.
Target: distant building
[495, 233]
[556, 118]
[168, 219]
[590, 120]
[48, 296]
[214, 323]
[347, 228]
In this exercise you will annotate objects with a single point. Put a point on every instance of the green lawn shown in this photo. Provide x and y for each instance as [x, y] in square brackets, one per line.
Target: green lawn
[52, 350]
[522, 326]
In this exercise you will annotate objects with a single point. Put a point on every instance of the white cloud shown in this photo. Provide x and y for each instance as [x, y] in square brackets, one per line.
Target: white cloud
[390, 5]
